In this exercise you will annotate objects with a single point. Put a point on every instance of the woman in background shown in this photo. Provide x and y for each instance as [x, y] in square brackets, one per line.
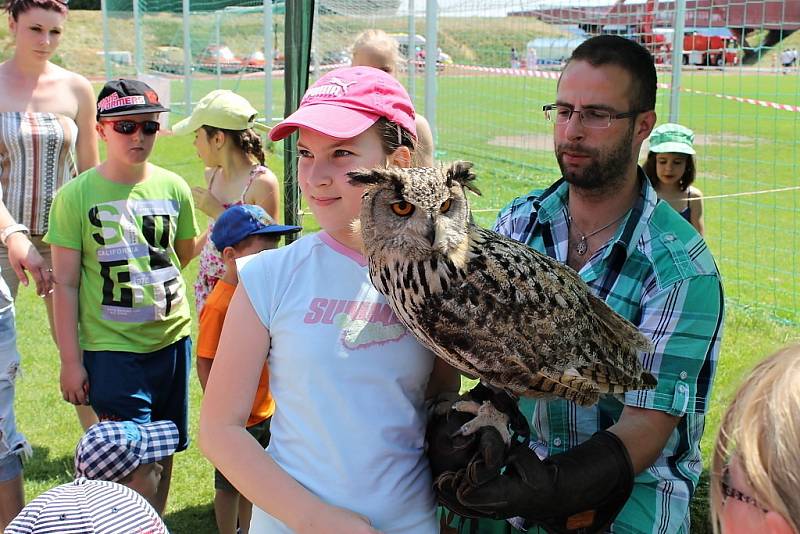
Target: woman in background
[47, 123]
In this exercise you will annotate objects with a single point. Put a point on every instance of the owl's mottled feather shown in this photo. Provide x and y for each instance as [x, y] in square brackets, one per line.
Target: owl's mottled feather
[487, 304]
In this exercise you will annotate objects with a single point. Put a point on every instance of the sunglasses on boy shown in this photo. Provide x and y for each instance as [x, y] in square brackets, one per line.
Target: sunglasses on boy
[129, 127]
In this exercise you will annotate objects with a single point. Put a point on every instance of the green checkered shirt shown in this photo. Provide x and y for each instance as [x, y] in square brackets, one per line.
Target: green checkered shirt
[658, 273]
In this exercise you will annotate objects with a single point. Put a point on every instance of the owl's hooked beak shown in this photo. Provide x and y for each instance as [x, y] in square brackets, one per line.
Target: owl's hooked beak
[437, 236]
[430, 235]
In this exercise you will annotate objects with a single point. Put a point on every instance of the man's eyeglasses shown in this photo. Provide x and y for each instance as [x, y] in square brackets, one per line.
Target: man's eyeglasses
[728, 491]
[591, 118]
[127, 127]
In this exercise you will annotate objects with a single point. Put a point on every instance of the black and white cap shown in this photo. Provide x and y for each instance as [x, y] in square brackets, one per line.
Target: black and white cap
[88, 507]
[127, 97]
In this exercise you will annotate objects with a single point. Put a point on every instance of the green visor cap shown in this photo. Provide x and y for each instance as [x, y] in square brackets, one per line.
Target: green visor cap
[672, 137]
[221, 109]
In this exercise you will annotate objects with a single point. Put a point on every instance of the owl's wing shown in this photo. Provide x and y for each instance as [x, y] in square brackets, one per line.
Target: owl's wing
[527, 323]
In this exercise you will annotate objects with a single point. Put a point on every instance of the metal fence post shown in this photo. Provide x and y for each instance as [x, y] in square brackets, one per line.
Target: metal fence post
[187, 60]
[431, 57]
[411, 51]
[677, 61]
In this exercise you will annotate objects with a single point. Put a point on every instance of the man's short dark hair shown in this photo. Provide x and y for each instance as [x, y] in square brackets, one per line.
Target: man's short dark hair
[628, 55]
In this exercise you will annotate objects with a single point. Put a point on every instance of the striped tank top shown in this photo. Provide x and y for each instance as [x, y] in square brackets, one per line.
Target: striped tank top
[36, 158]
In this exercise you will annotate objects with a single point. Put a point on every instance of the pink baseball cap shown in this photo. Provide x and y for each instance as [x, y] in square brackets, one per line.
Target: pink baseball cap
[345, 102]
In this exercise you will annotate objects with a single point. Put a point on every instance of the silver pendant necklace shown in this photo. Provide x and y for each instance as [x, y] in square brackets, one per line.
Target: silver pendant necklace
[581, 247]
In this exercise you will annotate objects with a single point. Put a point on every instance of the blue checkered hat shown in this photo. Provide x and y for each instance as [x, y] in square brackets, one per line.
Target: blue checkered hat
[88, 507]
[111, 450]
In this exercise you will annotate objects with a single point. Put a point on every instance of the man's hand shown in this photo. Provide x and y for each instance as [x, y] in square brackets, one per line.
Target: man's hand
[74, 383]
[23, 256]
[206, 202]
[581, 490]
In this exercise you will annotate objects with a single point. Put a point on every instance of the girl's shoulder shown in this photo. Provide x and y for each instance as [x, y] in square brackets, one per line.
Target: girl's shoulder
[262, 189]
[694, 192]
[262, 174]
[73, 79]
[283, 259]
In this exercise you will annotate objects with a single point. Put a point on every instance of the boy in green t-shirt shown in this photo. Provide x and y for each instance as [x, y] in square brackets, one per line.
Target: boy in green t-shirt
[119, 234]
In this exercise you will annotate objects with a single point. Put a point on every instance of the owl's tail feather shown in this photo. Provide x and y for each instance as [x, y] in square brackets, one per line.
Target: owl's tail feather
[611, 380]
[570, 386]
[619, 327]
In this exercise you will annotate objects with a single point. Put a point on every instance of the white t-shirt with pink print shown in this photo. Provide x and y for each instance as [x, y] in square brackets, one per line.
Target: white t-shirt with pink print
[349, 385]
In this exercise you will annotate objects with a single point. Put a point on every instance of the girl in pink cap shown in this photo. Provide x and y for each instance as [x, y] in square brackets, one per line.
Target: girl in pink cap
[349, 381]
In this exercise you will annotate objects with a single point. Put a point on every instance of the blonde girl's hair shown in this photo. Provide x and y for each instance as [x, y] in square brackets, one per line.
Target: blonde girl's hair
[379, 41]
[761, 427]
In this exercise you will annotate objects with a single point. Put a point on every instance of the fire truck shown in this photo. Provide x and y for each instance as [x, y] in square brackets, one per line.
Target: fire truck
[701, 46]
[711, 47]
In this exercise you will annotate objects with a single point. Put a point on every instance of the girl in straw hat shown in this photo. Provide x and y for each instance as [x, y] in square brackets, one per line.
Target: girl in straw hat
[225, 136]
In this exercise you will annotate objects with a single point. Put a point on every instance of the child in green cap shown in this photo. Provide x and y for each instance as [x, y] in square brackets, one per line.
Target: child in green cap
[671, 168]
[226, 140]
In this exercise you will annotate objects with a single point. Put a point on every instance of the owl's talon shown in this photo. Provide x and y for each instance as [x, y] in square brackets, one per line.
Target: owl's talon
[486, 415]
[467, 406]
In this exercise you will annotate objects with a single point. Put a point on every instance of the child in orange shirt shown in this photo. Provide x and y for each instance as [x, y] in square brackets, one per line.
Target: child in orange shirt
[240, 231]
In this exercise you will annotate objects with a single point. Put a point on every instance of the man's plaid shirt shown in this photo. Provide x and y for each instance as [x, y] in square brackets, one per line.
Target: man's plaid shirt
[658, 273]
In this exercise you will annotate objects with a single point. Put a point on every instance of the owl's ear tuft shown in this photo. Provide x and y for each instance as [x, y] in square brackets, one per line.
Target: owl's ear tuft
[367, 177]
[461, 172]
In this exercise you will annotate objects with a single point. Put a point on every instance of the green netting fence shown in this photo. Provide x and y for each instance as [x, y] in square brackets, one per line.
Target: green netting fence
[721, 72]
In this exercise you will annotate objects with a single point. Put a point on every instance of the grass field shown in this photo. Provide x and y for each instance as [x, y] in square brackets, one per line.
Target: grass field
[496, 122]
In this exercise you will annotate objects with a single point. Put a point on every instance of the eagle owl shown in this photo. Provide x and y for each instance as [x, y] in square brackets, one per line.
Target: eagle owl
[489, 305]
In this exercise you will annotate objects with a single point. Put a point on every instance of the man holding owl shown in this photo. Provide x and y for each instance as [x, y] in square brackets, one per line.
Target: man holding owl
[629, 463]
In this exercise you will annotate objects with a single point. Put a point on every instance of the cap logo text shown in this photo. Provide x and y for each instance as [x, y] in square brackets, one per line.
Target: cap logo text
[335, 87]
[114, 101]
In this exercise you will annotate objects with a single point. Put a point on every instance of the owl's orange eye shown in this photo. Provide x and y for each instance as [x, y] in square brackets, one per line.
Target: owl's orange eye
[445, 207]
[403, 208]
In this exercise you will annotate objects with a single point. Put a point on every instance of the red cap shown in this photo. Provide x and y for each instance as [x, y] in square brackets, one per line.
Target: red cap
[345, 102]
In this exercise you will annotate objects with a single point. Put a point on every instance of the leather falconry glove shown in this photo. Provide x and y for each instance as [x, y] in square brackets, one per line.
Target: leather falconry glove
[578, 491]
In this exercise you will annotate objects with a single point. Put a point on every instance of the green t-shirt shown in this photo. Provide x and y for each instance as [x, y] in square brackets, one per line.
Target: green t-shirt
[132, 295]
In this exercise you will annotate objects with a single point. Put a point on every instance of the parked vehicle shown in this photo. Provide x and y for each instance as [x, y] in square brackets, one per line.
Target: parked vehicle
[255, 61]
[553, 50]
[336, 57]
[213, 57]
[701, 46]
[168, 59]
[710, 47]
[403, 40]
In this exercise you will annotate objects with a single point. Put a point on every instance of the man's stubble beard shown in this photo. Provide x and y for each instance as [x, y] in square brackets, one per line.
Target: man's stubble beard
[605, 175]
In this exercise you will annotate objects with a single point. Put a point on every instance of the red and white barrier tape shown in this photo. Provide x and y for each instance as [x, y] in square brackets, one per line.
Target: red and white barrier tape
[552, 75]
[744, 100]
